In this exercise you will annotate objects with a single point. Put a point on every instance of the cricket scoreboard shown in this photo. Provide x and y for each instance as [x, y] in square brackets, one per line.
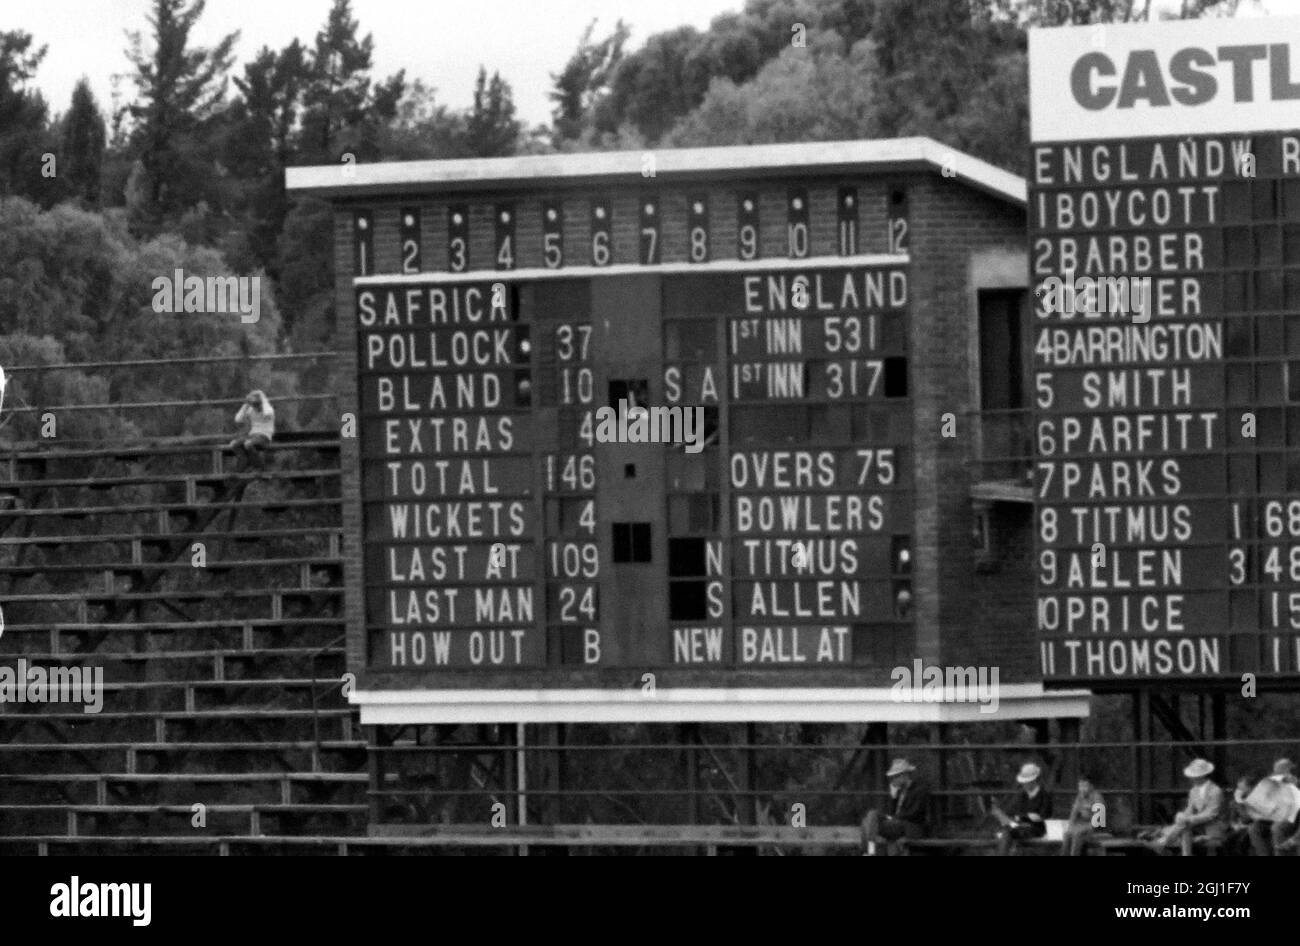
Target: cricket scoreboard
[519, 531]
[1164, 218]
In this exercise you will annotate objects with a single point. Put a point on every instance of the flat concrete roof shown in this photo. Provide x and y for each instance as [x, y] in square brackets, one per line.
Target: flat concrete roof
[889, 155]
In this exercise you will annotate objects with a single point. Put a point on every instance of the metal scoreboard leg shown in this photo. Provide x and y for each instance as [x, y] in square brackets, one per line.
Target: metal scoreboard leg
[1142, 753]
[521, 779]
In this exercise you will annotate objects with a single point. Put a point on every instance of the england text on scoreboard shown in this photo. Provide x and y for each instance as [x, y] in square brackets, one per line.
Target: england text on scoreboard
[502, 534]
[1164, 224]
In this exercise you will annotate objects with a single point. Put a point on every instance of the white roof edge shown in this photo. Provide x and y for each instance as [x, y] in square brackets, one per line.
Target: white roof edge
[351, 180]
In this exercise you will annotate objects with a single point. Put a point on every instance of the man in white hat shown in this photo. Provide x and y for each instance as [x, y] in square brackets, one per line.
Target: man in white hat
[1273, 830]
[909, 810]
[1205, 815]
[1028, 812]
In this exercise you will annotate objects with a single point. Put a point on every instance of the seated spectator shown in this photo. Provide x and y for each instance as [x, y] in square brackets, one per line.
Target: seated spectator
[1028, 812]
[1274, 830]
[251, 446]
[1206, 814]
[1084, 818]
[908, 815]
[1240, 818]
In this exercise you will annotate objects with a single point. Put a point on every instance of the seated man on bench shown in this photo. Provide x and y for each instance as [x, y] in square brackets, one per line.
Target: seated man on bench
[1029, 810]
[909, 811]
[1206, 814]
[1274, 805]
[251, 447]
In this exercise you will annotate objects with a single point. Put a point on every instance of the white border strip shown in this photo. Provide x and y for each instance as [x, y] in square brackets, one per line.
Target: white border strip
[824, 704]
[630, 269]
[600, 168]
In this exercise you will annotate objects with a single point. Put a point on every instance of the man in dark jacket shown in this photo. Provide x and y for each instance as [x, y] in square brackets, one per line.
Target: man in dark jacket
[1028, 812]
[908, 815]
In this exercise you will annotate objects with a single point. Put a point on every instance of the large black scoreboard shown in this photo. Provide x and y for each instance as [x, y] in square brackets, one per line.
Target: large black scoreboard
[508, 540]
[1164, 216]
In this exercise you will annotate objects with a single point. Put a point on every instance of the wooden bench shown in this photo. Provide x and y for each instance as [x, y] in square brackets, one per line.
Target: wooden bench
[244, 634]
[266, 663]
[72, 815]
[285, 440]
[259, 535]
[1109, 845]
[163, 479]
[184, 566]
[947, 846]
[173, 507]
[709, 837]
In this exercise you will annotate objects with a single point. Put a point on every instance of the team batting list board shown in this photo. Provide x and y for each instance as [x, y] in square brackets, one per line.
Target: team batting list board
[1166, 482]
[506, 545]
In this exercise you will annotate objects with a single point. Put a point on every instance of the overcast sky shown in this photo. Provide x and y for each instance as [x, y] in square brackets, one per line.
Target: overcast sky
[439, 41]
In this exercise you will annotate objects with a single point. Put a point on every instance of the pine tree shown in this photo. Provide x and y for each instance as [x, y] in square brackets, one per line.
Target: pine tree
[81, 147]
[181, 92]
[584, 79]
[338, 86]
[492, 130]
[25, 135]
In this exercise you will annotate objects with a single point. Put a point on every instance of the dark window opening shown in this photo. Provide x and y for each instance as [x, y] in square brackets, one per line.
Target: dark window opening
[685, 557]
[900, 554]
[903, 600]
[895, 377]
[631, 542]
[1002, 363]
[635, 392]
[687, 601]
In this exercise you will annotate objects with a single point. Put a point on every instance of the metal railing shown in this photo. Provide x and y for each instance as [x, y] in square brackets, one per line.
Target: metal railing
[656, 783]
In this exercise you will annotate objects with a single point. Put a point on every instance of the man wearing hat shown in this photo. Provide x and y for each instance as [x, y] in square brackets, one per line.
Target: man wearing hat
[1028, 812]
[1205, 815]
[1277, 833]
[909, 811]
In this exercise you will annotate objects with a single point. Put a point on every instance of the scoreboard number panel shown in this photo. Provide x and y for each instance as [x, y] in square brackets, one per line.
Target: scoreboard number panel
[409, 235]
[898, 219]
[458, 238]
[487, 543]
[553, 234]
[602, 247]
[650, 243]
[747, 225]
[363, 230]
[697, 228]
[846, 213]
[798, 238]
[504, 244]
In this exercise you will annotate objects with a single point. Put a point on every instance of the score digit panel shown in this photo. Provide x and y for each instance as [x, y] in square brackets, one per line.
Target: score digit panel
[508, 524]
